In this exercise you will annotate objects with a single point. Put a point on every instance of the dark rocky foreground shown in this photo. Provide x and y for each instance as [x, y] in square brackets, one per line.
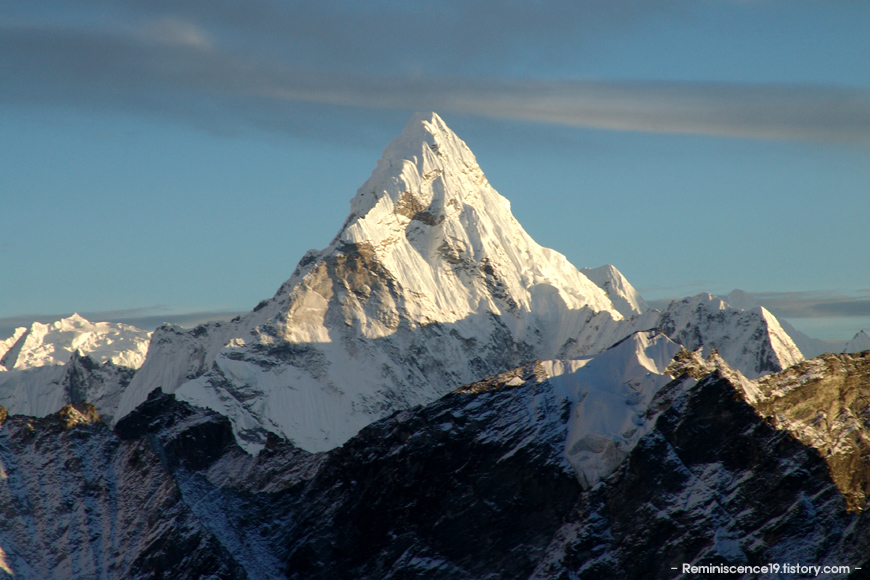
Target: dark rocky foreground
[474, 485]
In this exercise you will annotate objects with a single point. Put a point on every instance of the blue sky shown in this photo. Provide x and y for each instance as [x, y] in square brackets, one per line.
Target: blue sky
[174, 161]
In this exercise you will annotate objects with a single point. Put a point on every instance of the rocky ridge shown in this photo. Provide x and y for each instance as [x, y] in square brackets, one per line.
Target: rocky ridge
[825, 403]
[83, 503]
[481, 483]
[478, 484]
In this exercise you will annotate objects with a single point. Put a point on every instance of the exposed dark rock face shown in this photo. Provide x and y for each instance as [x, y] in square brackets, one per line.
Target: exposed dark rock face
[81, 503]
[184, 434]
[714, 484]
[825, 402]
[472, 486]
[475, 485]
[426, 495]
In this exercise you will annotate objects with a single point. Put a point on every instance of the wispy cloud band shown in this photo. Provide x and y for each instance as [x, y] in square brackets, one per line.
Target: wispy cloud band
[172, 66]
[814, 304]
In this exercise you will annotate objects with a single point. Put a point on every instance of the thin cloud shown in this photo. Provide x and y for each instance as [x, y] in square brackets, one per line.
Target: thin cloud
[401, 38]
[175, 67]
[728, 110]
[173, 31]
[827, 304]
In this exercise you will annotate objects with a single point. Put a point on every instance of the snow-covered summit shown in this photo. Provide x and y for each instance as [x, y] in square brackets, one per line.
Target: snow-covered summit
[429, 216]
[859, 343]
[750, 340]
[46, 366]
[431, 283]
[621, 293]
[53, 344]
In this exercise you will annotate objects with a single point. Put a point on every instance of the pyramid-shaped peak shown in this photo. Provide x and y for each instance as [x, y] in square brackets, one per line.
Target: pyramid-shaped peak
[75, 318]
[623, 295]
[859, 343]
[428, 212]
[741, 299]
[421, 171]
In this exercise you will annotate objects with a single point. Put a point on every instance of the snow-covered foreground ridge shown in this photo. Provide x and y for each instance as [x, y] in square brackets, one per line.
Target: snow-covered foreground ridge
[431, 283]
[610, 398]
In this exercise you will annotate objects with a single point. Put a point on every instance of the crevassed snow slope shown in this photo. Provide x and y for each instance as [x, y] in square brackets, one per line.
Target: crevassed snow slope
[430, 284]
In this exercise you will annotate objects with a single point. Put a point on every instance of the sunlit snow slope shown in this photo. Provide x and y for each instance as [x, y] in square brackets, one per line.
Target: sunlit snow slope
[430, 283]
[46, 366]
[54, 344]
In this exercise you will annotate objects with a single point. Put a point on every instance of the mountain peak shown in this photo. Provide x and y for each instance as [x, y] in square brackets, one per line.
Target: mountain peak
[430, 283]
[426, 150]
[53, 343]
[625, 298]
[859, 343]
[430, 217]
[426, 128]
[741, 299]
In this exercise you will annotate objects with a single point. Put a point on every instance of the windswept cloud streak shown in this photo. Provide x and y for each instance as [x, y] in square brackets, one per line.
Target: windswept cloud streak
[174, 67]
[748, 111]
[814, 304]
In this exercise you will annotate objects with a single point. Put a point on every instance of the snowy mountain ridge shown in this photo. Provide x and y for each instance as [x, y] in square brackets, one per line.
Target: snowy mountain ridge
[611, 395]
[53, 344]
[810, 347]
[483, 482]
[72, 360]
[751, 341]
[622, 294]
[431, 283]
[607, 450]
